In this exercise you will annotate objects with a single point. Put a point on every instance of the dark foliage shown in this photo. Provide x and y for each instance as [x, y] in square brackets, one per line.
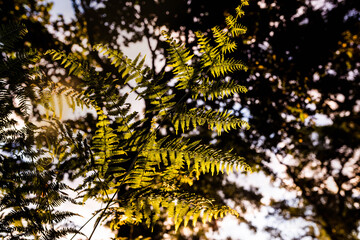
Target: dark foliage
[303, 64]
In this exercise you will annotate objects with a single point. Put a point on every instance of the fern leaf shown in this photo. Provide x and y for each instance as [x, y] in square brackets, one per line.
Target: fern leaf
[223, 40]
[198, 158]
[105, 144]
[210, 55]
[179, 59]
[10, 33]
[129, 69]
[69, 61]
[224, 66]
[181, 207]
[214, 119]
[238, 29]
[215, 89]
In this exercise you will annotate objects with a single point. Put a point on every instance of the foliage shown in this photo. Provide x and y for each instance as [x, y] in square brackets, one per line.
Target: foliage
[303, 57]
[298, 54]
[30, 190]
[124, 153]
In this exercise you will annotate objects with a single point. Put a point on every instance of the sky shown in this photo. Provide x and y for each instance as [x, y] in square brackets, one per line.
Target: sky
[62, 7]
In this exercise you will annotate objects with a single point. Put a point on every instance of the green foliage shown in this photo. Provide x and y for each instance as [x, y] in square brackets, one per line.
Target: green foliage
[180, 61]
[293, 50]
[214, 57]
[129, 69]
[180, 206]
[155, 170]
[126, 156]
[214, 89]
[214, 119]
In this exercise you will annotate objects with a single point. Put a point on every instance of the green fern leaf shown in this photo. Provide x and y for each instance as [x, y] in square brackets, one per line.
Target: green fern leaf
[215, 89]
[130, 69]
[215, 119]
[224, 66]
[179, 60]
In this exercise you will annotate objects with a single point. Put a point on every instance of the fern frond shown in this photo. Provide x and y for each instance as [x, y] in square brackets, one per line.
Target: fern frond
[223, 40]
[210, 55]
[235, 28]
[129, 69]
[12, 66]
[238, 29]
[179, 59]
[224, 66]
[69, 61]
[10, 33]
[231, 20]
[159, 97]
[244, 3]
[239, 11]
[143, 174]
[180, 206]
[52, 96]
[73, 97]
[30, 187]
[118, 107]
[214, 59]
[215, 119]
[215, 89]
[105, 144]
[29, 198]
[175, 154]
